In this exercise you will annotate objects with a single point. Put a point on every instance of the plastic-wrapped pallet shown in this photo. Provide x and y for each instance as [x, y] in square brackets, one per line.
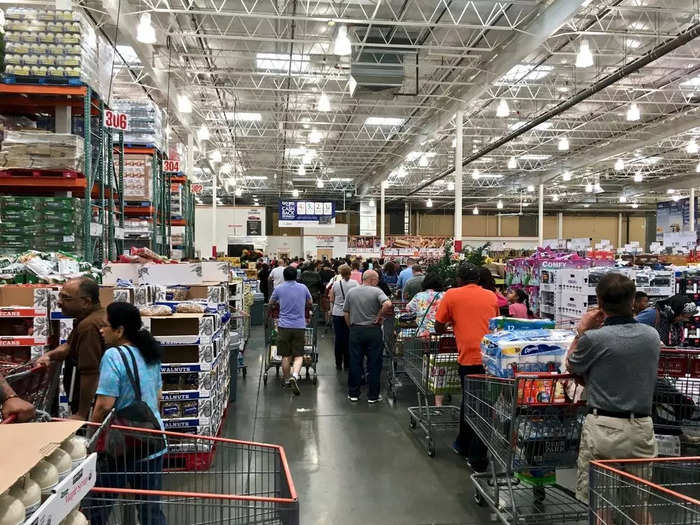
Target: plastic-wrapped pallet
[145, 122]
[42, 150]
[45, 43]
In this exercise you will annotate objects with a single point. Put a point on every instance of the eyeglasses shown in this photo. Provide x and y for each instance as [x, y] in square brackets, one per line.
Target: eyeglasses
[64, 297]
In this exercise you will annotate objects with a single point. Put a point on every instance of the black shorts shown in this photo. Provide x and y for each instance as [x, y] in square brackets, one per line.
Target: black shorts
[290, 342]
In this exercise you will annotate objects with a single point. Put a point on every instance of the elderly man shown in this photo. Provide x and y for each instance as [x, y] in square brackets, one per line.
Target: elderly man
[80, 299]
[364, 308]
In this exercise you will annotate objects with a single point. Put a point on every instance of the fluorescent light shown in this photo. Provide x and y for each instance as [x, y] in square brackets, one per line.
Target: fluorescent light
[295, 193]
[301, 170]
[384, 121]
[309, 156]
[352, 85]
[633, 113]
[676, 198]
[256, 177]
[215, 156]
[295, 152]
[638, 177]
[239, 192]
[525, 204]
[530, 188]
[243, 116]
[319, 183]
[184, 105]
[586, 205]
[692, 146]
[566, 176]
[585, 57]
[401, 172]
[555, 198]
[342, 45]
[203, 133]
[343, 179]
[475, 211]
[450, 186]
[632, 43]
[622, 199]
[454, 143]
[563, 144]
[697, 168]
[589, 187]
[324, 103]
[145, 32]
[423, 161]
[502, 110]
[524, 72]
[512, 163]
[670, 191]
[534, 156]
[315, 136]
[413, 156]
[475, 174]
[429, 203]
[634, 205]
[619, 165]
[281, 62]
[499, 205]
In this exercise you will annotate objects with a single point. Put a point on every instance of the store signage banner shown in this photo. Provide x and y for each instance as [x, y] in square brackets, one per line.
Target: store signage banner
[368, 218]
[305, 213]
[673, 217]
[254, 222]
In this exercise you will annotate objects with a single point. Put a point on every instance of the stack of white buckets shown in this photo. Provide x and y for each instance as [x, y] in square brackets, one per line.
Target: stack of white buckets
[26, 496]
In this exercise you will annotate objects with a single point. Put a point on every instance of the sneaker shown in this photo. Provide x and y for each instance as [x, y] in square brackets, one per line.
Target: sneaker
[294, 385]
[354, 399]
[372, 401]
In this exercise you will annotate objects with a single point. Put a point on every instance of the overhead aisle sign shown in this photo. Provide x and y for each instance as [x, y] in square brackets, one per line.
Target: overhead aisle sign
[294, 214]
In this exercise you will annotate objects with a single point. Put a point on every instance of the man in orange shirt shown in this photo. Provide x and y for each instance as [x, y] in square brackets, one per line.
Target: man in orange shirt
[468, 308]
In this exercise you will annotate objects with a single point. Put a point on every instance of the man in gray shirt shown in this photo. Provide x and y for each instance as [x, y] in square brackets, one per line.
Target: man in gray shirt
[365, 306]
[617, 360]
[414, 284]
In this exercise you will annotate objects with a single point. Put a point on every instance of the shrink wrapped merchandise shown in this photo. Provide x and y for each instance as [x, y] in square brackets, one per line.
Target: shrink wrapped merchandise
[145, 122]
[513, 323]
[42, 150]
[524, 350]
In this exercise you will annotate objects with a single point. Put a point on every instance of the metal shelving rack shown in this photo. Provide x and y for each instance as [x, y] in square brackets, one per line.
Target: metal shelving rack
[101, 188]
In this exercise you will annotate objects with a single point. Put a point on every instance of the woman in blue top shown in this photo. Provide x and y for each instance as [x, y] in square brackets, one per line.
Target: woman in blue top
[124, 331]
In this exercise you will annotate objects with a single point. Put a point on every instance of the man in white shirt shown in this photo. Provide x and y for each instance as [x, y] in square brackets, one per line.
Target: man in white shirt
[276, 275]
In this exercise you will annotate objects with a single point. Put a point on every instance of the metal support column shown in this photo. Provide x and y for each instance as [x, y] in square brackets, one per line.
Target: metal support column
[540, 217]
[560, 225]
[382, 213]
[692, 210]
[213, 214]
[619, 230]
[406, 218]
[458, 176]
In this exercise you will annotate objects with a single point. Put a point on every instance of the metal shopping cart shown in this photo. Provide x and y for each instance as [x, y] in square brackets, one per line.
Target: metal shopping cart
[395, 332]
[272, 358]
[35, 384]
[431, 364]
[676, 406]
[661, 491]
[530, 427]
[241, 482]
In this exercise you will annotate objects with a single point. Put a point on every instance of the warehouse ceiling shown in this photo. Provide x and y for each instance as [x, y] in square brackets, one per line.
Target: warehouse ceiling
[255, 72]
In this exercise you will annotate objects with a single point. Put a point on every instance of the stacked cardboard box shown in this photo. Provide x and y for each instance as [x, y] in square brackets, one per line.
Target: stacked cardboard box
[137, 176]
[42, 150]
[145, 122]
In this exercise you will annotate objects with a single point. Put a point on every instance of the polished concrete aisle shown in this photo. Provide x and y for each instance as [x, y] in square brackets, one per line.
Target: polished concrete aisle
[351, 463]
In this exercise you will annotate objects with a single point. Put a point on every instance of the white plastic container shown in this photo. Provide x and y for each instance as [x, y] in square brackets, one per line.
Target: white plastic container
[75, 518]
[28, 492]
[11, 510]
[46, 475]
[63, 462]
[75, 446]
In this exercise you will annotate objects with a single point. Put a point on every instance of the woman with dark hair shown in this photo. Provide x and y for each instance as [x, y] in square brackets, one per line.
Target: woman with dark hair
[668, 316]
[263, 277]
[487, 282]
[132, 353]
[391, 276]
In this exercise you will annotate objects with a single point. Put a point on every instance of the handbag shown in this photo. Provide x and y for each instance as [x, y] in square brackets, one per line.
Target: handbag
[133, 445]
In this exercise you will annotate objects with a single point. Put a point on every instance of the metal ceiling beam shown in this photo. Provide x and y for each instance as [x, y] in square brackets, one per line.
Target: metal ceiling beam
[514, 52]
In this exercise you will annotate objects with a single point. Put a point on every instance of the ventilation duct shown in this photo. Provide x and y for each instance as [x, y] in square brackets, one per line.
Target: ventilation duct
[378, 70]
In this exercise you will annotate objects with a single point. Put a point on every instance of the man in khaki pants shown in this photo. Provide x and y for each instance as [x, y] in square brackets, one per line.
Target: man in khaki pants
[617, 360]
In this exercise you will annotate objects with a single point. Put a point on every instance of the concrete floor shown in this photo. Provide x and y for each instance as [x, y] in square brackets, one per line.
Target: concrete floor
[351, 463]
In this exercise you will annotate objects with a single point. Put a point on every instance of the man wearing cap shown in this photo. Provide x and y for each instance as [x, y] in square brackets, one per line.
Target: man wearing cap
[468, 309]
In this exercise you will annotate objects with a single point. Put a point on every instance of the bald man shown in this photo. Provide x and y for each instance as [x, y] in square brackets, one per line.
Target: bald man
[365, 307]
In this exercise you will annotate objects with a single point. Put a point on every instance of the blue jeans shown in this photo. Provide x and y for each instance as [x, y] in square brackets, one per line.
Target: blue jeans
[141, 475]
[365, 341]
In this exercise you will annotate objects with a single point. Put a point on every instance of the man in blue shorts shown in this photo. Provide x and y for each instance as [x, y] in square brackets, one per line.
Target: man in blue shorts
[294, 301]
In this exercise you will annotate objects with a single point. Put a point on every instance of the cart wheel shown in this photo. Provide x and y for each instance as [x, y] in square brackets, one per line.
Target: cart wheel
[479, 499]
[430, 448]
[314, 379]
[411, 423]
[245, 371]
[265, 378]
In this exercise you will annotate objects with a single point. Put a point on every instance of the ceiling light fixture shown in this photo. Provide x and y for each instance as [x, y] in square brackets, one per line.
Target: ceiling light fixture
[401, 172]
[623, 199]
[324, 103]
[215, 156]
[475, 174]
[319, 184]
[502, 110]
[184, 105]
[372, 203]
[530, 188]
[692, 146]
[512, 163]
[555, 198]
[499, 205]
[566, 176]
[342, 45]
[295, 193]
[697, 168]
[239, 192]
[584, 58]
[145, 32]
[598, 188]
[423, 161]
[301, 170]
[352, 85]
[676, 198]
[619, 165]
[589, 187]
[475, 211]
[563, 144]
[429, 203]
[634, 205]
[203, 133]
[633, 113]
[450, 186]
[638, 177]
[315, 136]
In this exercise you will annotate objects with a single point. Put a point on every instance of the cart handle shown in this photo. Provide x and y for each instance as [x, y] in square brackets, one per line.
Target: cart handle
[524, 375]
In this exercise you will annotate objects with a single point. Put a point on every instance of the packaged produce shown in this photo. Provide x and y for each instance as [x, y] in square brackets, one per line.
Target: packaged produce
[11, 510]
[28, 492]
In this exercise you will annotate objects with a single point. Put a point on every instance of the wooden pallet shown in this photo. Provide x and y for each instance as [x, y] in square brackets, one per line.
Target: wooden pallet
[41, 173]
[42, 81]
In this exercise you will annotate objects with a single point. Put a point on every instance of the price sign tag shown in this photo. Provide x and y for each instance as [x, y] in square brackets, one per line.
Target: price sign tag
[171, 166]
[118, 121]
[197, 188]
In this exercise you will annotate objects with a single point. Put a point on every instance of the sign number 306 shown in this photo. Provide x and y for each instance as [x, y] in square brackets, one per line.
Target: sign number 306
[114, 120]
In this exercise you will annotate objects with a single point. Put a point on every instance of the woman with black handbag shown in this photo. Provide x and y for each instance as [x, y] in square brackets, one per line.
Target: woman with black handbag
[130, 383]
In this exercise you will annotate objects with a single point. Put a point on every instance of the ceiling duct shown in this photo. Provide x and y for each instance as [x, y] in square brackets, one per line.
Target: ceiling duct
[378, 68]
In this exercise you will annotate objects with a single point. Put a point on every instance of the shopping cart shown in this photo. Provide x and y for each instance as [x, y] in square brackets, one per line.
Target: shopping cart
[530, 427]
[431, 364]
[244, 482]
[395, 332]
[272, 358]
[35, 383]
[676, 406]
[662, 491]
